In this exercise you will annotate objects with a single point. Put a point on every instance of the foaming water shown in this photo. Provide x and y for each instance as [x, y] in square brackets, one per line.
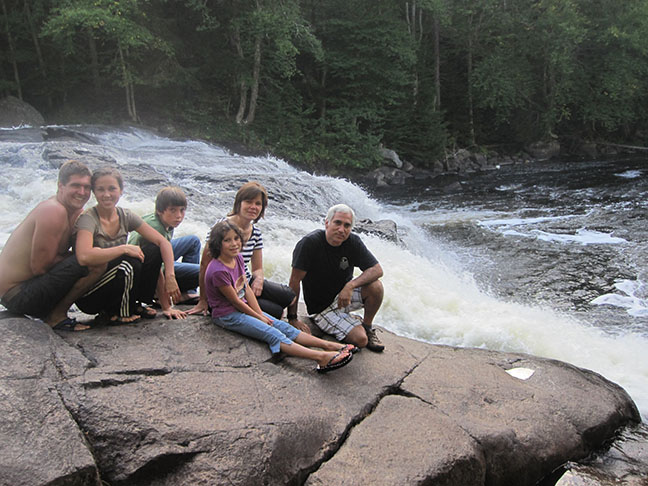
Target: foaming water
[431, 293]
[632, 296]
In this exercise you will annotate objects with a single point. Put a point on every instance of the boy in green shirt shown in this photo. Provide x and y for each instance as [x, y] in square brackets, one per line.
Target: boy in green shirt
[170, 208]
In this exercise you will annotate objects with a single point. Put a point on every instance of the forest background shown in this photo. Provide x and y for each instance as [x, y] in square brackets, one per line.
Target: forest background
[326, 82]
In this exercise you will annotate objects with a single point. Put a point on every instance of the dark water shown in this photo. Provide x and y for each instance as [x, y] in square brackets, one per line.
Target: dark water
[558, 233]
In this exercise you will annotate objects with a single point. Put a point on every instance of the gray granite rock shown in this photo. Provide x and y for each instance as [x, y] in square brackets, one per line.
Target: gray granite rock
[184, 402]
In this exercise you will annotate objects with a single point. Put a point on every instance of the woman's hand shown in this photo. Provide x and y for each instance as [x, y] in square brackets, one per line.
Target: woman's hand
[133, 251]
[257, 286]
[200, 308]
[266, 319]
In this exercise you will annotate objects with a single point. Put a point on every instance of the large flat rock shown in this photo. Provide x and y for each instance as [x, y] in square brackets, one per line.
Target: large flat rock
[184, 402]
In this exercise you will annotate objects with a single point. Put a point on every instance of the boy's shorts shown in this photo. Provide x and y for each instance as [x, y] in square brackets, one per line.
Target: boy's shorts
[338, 322]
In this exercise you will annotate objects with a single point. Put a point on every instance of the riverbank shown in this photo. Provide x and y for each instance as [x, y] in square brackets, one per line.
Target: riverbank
[180, 402]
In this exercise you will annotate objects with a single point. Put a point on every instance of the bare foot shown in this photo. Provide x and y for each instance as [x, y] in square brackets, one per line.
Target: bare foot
[116, 320]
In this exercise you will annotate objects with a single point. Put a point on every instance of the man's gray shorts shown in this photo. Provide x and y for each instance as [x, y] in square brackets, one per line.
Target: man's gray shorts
[339, 322]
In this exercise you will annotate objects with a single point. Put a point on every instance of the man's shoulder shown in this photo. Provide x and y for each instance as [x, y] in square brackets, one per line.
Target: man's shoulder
[49, 211]
[315, 235]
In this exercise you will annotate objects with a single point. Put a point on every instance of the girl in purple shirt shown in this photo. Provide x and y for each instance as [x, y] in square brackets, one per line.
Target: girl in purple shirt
[234, 306]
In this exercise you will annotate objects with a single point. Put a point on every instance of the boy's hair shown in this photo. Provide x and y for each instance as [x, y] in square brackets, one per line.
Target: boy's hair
[70, 168]
[107, 171]
[170, 196]
[248, 192]
[216, 235]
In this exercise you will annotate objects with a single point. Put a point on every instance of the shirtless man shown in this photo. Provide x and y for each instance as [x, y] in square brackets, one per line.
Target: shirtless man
[38, 274]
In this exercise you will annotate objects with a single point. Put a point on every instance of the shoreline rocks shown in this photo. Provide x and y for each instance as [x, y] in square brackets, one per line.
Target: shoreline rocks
[184, 402]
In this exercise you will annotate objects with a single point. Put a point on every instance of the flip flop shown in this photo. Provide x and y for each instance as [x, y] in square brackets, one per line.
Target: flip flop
[145, 311]
[190, 301]
[331, 365]
[350, 348]
[69, 325]
[118, 321]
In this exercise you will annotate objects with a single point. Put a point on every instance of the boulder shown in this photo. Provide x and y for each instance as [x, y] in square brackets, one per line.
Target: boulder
[384, 228]
[16, 113]
[544, 150]
[184, 402]
[391, 156]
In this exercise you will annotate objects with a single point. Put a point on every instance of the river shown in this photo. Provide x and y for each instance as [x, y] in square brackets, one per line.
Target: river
[541, 258]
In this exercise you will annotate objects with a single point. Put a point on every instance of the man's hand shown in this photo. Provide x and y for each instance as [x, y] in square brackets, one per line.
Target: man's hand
[297, 324]
[344, 297]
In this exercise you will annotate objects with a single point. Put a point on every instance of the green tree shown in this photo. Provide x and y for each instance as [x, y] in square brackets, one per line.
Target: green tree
[121, 27]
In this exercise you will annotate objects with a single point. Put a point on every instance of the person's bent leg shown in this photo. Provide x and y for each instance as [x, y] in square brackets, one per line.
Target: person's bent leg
[270, 308]
[147, 276]
[60, 311]
[372, 297]
[254, 328]
[341, 324]
[38, 296]
[187, 275]
[113, 293]
[186, 248]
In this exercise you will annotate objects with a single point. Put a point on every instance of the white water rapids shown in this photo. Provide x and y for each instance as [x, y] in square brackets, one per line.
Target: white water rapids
[429, 294]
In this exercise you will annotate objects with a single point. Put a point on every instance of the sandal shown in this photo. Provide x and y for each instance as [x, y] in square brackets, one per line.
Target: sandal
[118, 321]
[342, 360]
[350, 348]
[145, 311]
[70, 324]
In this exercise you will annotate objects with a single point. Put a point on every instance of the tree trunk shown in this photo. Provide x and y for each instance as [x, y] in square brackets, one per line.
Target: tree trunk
[242, 103]
[437, 65]
[128, 85]
[256, 73]
[236, 40]
[471, 118]
[12, 51]
[94, 62]
[39, 52]
[322, 111]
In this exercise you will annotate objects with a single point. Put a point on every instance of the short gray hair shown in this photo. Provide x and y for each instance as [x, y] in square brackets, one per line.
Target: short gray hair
[340, 208]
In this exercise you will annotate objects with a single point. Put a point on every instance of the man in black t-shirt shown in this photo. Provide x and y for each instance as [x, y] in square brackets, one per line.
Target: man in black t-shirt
[323, 263]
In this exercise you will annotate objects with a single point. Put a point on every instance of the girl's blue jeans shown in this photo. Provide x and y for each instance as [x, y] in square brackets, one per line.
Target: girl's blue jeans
[279, 332]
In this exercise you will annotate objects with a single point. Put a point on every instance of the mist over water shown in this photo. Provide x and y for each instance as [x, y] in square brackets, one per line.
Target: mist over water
[546, 259]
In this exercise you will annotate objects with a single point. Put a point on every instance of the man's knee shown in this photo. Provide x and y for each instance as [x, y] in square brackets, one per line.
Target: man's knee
[373, 290]
[357, 336]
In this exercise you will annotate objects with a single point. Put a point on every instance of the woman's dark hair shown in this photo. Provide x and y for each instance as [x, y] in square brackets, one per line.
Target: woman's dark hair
[107, 171]
[216, 235]
[248, 192]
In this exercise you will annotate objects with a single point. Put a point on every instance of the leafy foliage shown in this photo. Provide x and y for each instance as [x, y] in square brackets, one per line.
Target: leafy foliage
[329, 81]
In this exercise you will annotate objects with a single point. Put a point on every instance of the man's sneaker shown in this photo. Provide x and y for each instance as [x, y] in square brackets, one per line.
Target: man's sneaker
[373, 342]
